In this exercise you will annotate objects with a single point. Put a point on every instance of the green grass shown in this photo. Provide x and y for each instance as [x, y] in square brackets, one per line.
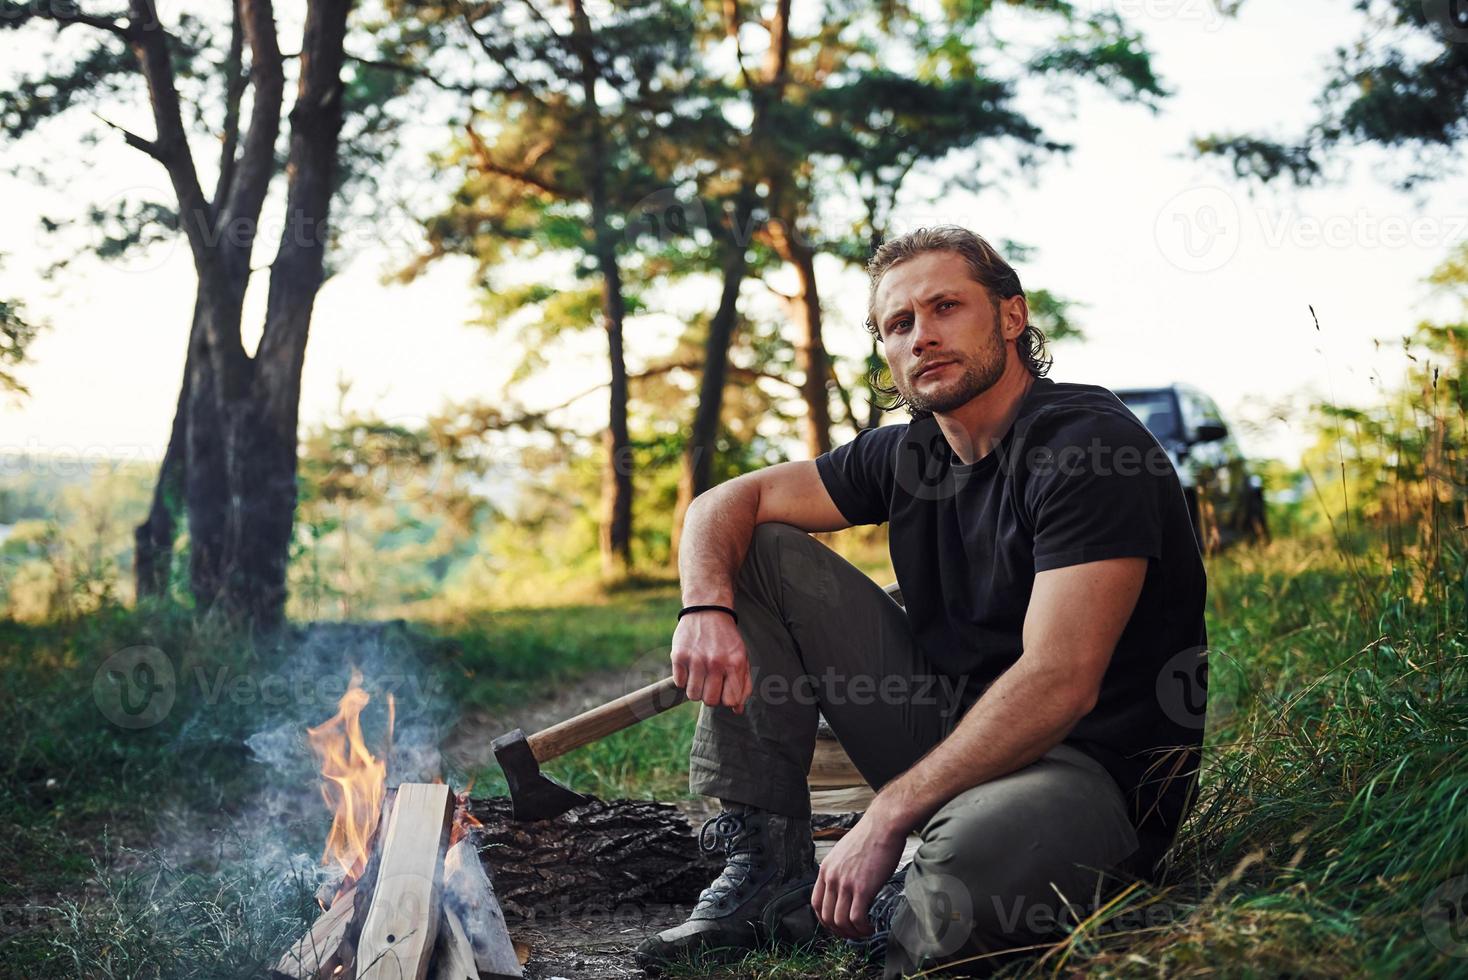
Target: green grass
[505, 656]
[1332, 812]
[87, 882]
[158, 920]
[1333, 796]
[79, 790]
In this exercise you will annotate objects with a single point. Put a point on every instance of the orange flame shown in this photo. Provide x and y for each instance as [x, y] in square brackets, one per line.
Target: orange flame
[353, 780]
[464, 822]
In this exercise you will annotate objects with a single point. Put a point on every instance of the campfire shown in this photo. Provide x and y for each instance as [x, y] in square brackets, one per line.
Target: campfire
[414, 898]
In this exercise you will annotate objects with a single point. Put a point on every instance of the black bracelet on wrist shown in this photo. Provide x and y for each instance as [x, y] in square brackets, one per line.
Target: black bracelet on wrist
[693, 609]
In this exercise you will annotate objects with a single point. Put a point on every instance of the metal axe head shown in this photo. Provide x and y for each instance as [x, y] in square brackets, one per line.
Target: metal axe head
[533, 794]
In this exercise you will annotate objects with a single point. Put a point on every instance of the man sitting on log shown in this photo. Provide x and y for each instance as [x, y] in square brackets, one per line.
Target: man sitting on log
[1023, 713]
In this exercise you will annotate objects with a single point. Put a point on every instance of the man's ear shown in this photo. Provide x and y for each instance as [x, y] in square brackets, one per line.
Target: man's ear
[1014, 313]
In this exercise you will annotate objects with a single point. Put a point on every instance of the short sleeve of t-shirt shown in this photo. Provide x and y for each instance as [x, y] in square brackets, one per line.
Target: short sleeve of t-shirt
[859, 474]
[1094, 482]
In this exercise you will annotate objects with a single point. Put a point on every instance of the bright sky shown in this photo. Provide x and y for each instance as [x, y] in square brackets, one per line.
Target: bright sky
[1183, 274]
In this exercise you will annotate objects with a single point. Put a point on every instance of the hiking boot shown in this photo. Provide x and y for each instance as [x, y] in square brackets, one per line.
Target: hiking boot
[765, 854]
[789, 920]
[884, 907]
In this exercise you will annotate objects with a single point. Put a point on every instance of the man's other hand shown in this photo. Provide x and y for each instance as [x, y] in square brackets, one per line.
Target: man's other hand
[859, 864]
[709, 660]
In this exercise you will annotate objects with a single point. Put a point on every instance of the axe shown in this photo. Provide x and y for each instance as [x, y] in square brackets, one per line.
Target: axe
[536, 796]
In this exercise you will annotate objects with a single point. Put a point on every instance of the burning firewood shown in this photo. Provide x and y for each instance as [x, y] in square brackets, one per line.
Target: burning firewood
[317, 953]
[401, 926]
[469, 898]
[389, 920]
[395, 923]
[454, 958]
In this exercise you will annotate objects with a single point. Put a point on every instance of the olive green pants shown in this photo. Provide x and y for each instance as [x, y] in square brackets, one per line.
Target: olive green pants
[1001, 865]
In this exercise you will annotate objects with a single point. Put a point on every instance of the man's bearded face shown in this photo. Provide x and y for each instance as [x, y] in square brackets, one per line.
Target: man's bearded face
[941, 332]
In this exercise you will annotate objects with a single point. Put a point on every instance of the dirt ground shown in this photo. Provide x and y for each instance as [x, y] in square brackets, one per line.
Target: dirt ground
[587, 947]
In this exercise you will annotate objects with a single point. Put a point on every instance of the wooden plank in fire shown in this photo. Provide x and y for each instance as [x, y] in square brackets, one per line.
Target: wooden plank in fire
[469, 895]
[455, 957]
[316, 953]
[402, 922]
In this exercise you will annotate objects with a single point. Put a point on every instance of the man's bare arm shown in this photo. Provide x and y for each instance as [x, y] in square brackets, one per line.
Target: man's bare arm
[1075, 617]
[720, 522]
[709, 660]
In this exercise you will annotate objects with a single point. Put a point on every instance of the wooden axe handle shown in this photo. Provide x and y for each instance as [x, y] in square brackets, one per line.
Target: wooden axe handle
[600, 722]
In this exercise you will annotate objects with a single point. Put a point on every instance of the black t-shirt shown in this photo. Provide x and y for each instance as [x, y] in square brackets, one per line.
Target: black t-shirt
[1076, 479]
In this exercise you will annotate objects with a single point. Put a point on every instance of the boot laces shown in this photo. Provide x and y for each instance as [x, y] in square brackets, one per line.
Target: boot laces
[727, 832]
[742, 846]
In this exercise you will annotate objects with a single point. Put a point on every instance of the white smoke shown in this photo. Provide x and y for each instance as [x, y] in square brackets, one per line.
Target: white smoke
[281, 828]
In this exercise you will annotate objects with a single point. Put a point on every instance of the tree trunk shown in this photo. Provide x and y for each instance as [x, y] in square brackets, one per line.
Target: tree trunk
[616, 530]
[241, 482]
[206, 488]
[264, 470]
[810, 349]
[153, 539]
[698, 452]
[616, 521]
[236, 427]
[616, 534]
